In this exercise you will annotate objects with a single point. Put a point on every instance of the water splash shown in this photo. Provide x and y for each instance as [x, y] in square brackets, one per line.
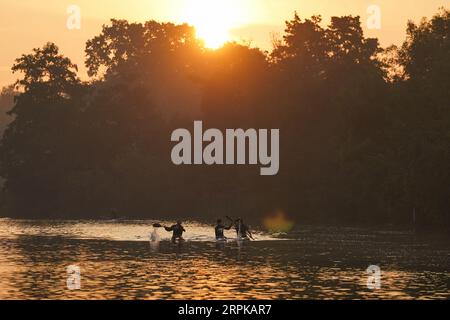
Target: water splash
[154, 240]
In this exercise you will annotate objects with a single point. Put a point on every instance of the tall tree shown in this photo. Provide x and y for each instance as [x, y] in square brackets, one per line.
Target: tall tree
[36, 146]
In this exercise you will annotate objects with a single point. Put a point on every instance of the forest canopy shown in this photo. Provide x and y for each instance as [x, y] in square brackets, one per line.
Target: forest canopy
[364, 130]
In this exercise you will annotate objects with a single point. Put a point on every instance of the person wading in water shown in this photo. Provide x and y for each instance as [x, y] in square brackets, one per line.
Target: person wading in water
[219, 228]
[242, 230]
[177, 230]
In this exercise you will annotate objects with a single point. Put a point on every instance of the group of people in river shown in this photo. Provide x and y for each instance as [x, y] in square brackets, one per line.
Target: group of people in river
[242, 230]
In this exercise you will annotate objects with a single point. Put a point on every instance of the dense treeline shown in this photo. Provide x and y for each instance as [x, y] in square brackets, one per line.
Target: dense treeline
[365, 131]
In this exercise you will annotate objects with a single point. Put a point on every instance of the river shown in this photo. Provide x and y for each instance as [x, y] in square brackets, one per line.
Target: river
[116, 260]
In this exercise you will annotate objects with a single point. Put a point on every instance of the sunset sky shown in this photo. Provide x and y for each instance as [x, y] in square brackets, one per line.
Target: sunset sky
[28, 24]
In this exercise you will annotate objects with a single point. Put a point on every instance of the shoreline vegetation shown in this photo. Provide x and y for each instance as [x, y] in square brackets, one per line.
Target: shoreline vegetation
[364, 130]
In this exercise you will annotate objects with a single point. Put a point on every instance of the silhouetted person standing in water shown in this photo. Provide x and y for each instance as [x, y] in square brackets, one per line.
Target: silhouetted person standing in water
[177, 230]
[219, 228]
[242, 230]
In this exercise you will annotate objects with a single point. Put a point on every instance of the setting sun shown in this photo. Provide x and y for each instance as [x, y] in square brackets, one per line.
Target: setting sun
[213, 20]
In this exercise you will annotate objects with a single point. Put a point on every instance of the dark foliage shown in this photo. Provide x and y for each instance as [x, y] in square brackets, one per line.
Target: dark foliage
[364, 139]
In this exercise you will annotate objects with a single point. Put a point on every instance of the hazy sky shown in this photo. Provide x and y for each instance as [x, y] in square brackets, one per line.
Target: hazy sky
[28, 24]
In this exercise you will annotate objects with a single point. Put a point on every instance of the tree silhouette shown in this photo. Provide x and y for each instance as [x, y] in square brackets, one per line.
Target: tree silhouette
[364, 130]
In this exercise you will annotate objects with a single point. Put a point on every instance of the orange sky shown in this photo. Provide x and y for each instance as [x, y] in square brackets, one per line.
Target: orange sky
[28, 24]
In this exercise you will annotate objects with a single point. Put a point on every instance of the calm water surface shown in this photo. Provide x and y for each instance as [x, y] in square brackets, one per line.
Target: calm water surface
[117, 261]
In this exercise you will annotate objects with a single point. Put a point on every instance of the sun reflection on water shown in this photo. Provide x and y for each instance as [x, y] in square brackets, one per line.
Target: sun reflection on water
[312, 266]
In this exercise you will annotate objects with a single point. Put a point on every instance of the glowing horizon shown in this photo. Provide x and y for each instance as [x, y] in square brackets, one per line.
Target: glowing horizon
[214, 21]
[29, 25]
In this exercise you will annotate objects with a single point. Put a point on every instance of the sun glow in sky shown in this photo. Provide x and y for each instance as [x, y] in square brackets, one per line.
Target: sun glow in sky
[30, 24]
[214, 20]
